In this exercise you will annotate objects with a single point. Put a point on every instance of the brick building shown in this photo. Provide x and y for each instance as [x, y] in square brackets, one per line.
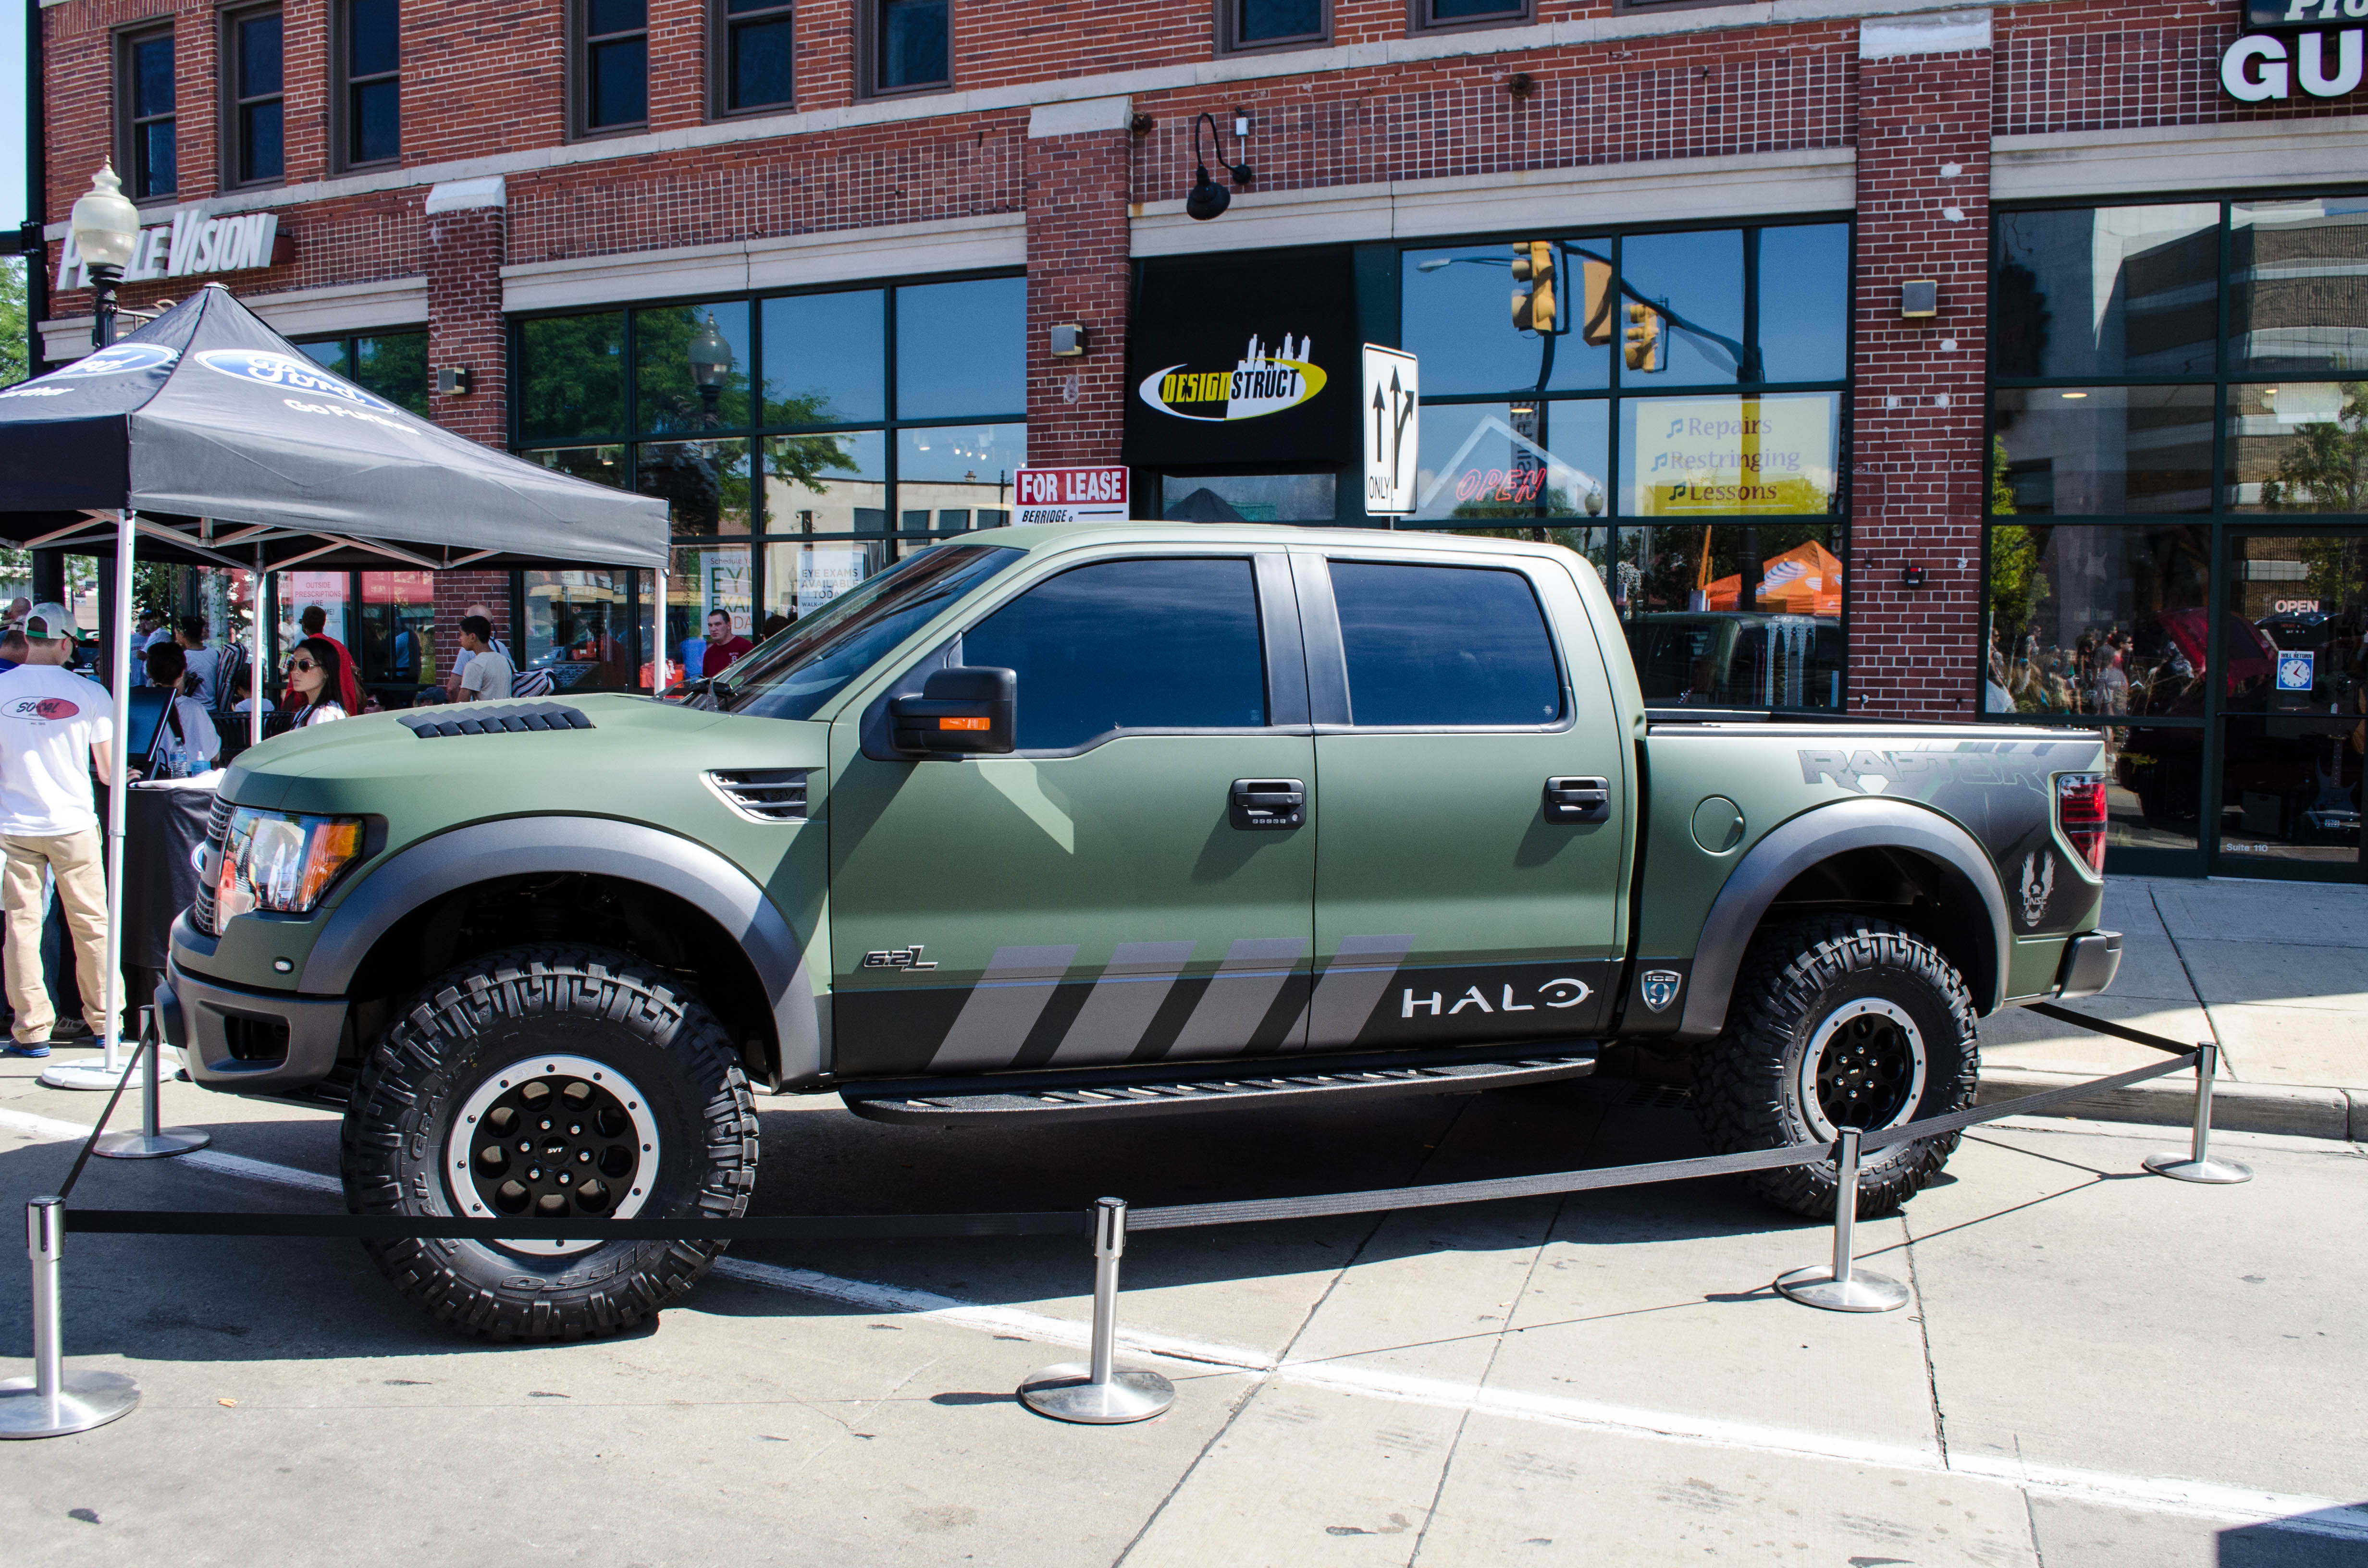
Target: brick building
[1942, 363]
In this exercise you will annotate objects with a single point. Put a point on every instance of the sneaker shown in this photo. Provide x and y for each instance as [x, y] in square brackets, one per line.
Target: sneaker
[37, 1048]
[69, 1028]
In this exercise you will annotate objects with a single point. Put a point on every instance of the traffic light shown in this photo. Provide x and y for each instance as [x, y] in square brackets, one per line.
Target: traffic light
[1644, 339]
[1599, 297]
[1537, 305]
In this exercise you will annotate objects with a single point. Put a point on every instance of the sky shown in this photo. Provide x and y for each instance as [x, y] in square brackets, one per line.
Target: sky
[12, 111]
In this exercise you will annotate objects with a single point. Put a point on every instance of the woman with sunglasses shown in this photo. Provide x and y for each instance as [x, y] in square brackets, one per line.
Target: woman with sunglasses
[317, 673]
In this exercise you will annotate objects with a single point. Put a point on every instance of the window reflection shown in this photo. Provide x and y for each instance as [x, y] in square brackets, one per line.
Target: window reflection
[1697, 456]
[572, 376]
[2101, 451]
[2305, 597]
[826, 485]
[576, 629]
[706, 482]
[2101, 618]
[2298, 285]
[703, 579]
[1459, 322]
[801, 578]
[601, 465]
[1805, 303]
[691, 364]
[2290, 792]
[1735, 615]
[2298, 447]
[1248, 498]
[953, 478]
[1543, 458]
[961, 348]
[1695, 282]
[2108, 292]
[826, 358]
[2154, 786]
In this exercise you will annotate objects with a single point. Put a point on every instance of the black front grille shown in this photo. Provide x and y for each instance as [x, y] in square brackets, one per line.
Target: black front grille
[217, 831]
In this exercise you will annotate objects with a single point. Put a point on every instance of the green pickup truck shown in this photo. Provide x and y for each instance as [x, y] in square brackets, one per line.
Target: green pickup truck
[1051, 824]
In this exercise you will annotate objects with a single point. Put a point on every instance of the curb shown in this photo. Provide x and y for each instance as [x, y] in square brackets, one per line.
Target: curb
[2236, 1106]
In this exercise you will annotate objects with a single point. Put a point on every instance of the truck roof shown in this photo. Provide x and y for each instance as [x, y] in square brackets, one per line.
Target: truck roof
[1043, 536]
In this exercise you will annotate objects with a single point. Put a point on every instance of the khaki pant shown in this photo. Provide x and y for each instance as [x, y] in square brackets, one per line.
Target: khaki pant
[73, 859]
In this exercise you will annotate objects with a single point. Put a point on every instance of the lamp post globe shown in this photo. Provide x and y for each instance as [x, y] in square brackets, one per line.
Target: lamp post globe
[106, 231]
[711, 361]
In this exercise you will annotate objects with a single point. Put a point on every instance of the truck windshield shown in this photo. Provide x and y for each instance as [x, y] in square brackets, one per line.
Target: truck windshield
[794, 672]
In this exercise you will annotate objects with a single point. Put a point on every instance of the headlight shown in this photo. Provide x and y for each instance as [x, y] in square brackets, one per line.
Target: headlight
[272, 860]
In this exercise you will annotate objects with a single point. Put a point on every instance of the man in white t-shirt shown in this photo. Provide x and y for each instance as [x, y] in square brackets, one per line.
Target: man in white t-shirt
[204, 663]
[487, 673]
[460, 664]
[53, 725]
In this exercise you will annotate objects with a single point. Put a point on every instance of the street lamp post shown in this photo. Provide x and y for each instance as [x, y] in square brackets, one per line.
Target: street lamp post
[106, 230]
[711, 361]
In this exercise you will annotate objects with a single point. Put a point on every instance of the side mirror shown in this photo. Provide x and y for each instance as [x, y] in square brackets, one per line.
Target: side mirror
[967, 708]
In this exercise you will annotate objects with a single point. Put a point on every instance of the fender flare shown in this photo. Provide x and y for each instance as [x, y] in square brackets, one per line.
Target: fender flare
[1820, 833]
[602, 845]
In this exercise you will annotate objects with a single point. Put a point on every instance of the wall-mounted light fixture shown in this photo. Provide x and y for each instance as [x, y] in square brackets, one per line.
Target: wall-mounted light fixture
[1207, 198]
[1920, 297]
[1911, 576]
[454, 380]
[1521, 83]
[1068, 340]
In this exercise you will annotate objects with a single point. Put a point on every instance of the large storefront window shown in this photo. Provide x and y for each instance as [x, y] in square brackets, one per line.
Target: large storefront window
[2179, 518]
[1669, 405]
[801, 440]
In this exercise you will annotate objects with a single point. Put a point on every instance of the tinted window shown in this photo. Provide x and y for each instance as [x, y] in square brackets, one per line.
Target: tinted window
[575, 376]
[1433, 645]
[1696, 282]
[824, 359]
[1804, 303]
[912, 43]
[1130, 645]
[961, 348]
[2107, 290]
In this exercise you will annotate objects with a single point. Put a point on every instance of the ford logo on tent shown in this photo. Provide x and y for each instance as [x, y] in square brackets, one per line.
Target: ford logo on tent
[287, 374]
[121, 357]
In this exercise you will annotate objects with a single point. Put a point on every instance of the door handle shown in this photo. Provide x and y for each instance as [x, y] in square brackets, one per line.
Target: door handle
[1269, 802]
[1578, 800]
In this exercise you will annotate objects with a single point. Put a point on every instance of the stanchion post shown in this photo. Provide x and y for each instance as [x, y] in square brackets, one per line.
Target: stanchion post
[53, 1401]
[2197, 1163]
[1844, 1288]
[1094, 1391]
[153, 1142]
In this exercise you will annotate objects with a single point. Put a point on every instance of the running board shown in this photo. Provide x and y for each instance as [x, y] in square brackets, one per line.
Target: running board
[1169, 1089]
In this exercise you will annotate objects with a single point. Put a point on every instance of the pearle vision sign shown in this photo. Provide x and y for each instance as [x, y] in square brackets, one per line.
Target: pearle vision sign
[190, 245]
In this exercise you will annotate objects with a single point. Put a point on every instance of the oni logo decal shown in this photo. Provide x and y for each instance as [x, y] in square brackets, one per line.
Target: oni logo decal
[1659, 988]
[2037, 885]
[120, 360]
[289, 375]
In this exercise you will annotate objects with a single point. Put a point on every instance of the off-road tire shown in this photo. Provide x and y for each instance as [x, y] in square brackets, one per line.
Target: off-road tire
[1748, 1082]
[492, 1014]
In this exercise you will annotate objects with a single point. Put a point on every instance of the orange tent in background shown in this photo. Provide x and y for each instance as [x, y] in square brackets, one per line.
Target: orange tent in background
[1805, 580]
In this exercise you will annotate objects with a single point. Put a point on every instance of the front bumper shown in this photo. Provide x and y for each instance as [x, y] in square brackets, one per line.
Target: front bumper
[259, 1042]
[2089, 964]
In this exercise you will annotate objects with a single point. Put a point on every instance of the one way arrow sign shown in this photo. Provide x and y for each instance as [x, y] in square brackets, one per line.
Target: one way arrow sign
[1393, 431]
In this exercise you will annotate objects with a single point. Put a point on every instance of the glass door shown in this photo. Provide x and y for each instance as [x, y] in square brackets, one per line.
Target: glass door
[2293, 715]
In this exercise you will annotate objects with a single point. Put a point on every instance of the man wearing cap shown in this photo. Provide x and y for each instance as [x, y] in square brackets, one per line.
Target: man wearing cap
[53, 724]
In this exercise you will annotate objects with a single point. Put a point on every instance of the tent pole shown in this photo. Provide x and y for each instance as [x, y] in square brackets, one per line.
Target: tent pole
[657, 620]
[255, 674]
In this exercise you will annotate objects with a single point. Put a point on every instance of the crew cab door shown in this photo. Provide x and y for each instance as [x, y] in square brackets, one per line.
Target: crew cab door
[1475, 803]
[1130, 884]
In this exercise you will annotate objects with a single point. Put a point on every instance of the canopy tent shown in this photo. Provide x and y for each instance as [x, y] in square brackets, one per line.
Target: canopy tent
[1804, 579]
[205, 437]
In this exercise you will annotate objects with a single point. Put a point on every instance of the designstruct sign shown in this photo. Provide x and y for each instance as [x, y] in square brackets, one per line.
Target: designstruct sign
[1095, 494]
[1392, 402]
[1243, 359]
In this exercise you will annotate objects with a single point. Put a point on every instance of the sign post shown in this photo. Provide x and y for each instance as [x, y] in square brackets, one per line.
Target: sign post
[1094, 494]
[1392, 416]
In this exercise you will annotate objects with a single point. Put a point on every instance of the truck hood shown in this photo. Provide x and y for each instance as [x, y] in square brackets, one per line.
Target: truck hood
[635, 750]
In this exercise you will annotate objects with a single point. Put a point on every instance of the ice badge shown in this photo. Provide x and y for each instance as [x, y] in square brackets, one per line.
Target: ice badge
[1660, 988]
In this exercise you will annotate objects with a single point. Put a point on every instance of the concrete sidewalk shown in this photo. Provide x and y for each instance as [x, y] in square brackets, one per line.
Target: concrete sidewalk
[2276, 974]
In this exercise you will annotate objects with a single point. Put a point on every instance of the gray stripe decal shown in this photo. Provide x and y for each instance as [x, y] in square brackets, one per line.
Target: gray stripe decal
[1002, 1008]
[1349, 987]
[1239, 993]
[1121, 1006]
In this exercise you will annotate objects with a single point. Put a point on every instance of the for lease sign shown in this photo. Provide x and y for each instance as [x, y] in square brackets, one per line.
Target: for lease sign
[1083, 495]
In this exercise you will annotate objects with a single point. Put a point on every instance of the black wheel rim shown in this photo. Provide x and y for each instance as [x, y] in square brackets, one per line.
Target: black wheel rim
[554, 1148]
[1866, 1072]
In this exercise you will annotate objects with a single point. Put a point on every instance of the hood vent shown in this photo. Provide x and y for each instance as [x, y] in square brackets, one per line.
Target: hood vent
[763, 794]
[492, 719]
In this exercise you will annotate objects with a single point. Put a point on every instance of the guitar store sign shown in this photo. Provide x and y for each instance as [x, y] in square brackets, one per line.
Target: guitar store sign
[2310, 49]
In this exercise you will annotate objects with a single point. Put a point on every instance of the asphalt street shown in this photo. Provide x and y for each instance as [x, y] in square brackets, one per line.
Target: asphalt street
[2097, 1367]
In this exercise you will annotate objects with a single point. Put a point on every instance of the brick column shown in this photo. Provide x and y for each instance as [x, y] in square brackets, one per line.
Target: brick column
[467, 233]
[1077, 197]
[1917, 471]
